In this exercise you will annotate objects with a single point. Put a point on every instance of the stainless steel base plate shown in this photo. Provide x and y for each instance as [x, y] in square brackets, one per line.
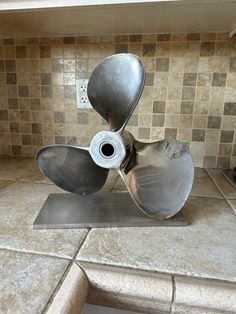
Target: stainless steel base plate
[103, 209]
[230, 175]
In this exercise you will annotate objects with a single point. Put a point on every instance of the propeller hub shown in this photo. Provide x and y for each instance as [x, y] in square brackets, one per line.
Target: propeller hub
[107, 149]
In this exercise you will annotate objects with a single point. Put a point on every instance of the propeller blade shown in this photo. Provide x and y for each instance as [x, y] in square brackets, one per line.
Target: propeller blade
[159, 176]
[71, 168]
[115, 87]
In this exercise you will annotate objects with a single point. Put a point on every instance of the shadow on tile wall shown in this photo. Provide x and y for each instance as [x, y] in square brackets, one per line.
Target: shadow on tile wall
[190, 92]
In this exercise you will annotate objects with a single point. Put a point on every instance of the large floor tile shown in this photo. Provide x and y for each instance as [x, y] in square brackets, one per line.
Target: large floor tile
[222, 183]
[203, 185]
[206, 248]
[28, 281]
[23, 169]
[20, 204]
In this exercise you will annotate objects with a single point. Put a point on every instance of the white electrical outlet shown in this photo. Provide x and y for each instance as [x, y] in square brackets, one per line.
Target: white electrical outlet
[82, 100]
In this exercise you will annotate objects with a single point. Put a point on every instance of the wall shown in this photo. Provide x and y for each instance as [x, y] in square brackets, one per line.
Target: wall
[190, 92]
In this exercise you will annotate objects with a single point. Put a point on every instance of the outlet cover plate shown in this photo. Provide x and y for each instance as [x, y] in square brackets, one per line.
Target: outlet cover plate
[82, 100]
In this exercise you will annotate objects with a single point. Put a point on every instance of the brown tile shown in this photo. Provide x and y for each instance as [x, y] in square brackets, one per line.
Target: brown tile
[2, 66]
[11, 79]
[10, 65]
[46, 78]
[223, 162]
[60, 140]
[162, 64]
[149, 50]
[232, 64]
[198, 135]
[234, 150]
[121, 38]
[219, 79]
[193, 36]
[14, 127]
[158, 120]
[26, 139]
[135, 38]
[190, 79]
[59, 117]
[44, 51]
[82, 39]
[35, 104]
[24, 115]
[207, 49]
[144, 133]
[36, 128]
[230, 108]
[23, 91]
[16, 150]
[209, 162]
[12, 103]
[188, 93]
[8, 41]
[226, 136]
[170, 133]
[21, 52]
[186, 107]
[46, 91]
[3, 115]
[149, 79]
[214, 122]
[69, 40]
[163, 37]
[225, 150]
[159, 106]
[121, 48]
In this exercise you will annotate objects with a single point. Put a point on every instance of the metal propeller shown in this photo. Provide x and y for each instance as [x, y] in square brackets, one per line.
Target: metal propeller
[158, 176]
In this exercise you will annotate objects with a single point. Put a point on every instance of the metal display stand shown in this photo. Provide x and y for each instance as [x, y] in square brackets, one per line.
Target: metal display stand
[103, 209]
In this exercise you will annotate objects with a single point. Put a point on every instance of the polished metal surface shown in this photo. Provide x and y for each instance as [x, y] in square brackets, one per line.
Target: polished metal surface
[230, 175]
[115, 87]
[102, 209]
[158, 176]
[71, 168]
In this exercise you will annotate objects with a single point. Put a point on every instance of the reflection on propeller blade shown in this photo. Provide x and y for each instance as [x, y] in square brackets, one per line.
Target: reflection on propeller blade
[71, 168]
[115, 87]
[159, 176]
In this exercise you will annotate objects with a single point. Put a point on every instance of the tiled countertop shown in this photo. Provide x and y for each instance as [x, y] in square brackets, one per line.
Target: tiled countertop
[188, 269]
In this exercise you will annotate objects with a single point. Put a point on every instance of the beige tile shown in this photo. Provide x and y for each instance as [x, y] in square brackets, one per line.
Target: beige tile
[225, 187]
[202, 249]
[201, 296]
[28, 280]
[4, 183]
[203, 185]
[23, 169]
[20, 205]
[120, 288]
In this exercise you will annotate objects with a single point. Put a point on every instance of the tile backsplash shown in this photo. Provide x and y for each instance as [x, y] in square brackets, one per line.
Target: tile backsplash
[189, 94]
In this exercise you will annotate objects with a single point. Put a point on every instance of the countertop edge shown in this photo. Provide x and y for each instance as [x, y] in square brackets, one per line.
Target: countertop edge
[140, 290]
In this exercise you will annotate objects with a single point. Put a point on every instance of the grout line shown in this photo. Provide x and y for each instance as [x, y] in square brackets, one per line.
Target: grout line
[35, 253]
[173, 294]
[222, 193]
[81, 245]
[57, 288]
